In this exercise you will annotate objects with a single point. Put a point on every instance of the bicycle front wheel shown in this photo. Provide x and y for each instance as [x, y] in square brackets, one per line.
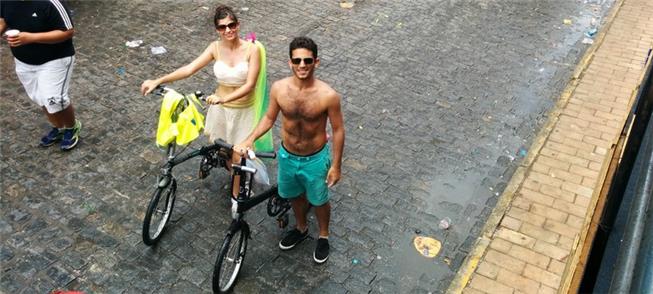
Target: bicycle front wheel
[158, 212]
[229, 261]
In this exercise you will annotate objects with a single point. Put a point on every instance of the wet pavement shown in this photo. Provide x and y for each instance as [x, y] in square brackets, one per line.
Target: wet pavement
[440, 98]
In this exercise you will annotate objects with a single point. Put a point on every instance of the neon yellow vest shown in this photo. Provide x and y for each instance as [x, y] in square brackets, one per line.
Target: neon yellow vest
[185, 127]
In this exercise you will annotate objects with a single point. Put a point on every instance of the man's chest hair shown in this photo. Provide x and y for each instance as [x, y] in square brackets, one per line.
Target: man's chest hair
[302, 107]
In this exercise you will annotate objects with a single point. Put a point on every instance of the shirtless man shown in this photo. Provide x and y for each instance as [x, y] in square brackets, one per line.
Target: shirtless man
[305, 167]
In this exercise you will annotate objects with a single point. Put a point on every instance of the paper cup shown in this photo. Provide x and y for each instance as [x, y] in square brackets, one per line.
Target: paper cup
[12, 33]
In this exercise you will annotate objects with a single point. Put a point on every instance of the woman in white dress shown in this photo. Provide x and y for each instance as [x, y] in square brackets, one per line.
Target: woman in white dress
[231, 116]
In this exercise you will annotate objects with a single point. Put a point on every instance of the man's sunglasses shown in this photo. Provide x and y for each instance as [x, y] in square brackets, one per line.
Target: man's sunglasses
[232, 26]
[297, 61]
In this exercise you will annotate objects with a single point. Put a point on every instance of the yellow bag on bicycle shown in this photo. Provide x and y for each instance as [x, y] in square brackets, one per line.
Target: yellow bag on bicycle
[181, 127]
[190, 122]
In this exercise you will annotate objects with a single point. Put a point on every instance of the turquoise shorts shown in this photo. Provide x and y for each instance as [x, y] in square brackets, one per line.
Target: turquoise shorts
[304, 175]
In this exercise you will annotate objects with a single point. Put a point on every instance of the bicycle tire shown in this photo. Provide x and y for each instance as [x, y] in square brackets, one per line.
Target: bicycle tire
[169, 191]
[223, 281]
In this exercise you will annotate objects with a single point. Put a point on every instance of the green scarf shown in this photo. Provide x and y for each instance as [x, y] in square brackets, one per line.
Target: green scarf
[261, 99]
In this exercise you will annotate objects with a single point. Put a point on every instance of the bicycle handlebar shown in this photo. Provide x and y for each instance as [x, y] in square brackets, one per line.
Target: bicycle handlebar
[161, 89]
[228, 146]
[266, 154]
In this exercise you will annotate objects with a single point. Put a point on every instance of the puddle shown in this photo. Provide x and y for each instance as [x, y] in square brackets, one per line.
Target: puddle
[459, 198]
[411, 266]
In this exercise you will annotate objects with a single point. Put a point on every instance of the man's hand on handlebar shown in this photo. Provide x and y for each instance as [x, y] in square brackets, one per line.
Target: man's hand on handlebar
[240, 150]
[148, 86]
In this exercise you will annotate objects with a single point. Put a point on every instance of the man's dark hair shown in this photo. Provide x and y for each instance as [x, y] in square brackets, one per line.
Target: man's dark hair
[303, 43]
[221, 12]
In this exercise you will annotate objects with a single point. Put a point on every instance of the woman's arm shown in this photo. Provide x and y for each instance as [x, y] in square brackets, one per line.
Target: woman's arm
[264, 125]
[182, 72]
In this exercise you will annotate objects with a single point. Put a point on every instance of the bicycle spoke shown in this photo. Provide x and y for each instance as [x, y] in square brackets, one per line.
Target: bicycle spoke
[231, 262]
[158, 213]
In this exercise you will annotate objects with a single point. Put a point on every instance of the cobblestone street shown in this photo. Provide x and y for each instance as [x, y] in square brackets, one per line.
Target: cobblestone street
[441, 101]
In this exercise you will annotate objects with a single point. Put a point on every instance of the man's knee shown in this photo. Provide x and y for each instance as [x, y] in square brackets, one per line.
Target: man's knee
[325, 205]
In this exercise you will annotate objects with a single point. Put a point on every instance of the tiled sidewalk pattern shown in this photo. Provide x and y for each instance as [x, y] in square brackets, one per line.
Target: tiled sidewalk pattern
[532, 247]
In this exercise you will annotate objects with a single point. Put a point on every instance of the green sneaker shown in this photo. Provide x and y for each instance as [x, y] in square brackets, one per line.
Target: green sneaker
[71, 136]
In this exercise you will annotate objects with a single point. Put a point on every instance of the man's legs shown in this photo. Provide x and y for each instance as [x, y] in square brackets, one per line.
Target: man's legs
[300, 208]
[47, 86]
[54, 79]
[65, 128]
[323, 214]
[51, 118]
[63, 119]
[290, 188]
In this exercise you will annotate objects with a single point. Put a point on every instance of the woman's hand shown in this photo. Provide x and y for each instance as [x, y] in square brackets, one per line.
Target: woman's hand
[213, 99]
[148, 86]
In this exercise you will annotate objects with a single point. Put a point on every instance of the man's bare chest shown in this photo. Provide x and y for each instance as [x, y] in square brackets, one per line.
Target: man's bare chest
[302, 108]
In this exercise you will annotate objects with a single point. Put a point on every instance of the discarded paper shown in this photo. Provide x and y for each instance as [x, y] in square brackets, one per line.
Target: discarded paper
[158, 50]
[347, 5]
[427, 246]
[134, 43]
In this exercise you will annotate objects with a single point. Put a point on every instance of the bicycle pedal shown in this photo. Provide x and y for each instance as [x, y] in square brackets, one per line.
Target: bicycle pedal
[202, 174]
[282, 221]
[205, 167]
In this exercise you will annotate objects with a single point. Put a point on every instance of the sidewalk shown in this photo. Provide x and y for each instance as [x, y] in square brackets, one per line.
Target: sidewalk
[531, 241]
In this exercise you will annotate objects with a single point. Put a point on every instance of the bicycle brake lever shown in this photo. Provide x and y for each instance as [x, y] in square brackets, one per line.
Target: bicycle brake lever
[199, 95]
[251, 154]
[159, 90]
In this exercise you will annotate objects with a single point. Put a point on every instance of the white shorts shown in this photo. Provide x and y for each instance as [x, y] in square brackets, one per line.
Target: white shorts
[47, 84]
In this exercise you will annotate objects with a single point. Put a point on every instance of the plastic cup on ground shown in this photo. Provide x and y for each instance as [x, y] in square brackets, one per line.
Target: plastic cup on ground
[445, 223]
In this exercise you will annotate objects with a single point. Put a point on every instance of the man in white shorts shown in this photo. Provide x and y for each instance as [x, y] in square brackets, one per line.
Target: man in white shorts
[40, 36]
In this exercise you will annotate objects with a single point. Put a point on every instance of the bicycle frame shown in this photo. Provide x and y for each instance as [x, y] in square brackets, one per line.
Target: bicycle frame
[174, 160]
[242, 179]
[243, 202]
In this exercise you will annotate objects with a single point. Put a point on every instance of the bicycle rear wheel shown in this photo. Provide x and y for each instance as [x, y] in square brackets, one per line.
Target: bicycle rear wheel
[229, 261]
[158, 212]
